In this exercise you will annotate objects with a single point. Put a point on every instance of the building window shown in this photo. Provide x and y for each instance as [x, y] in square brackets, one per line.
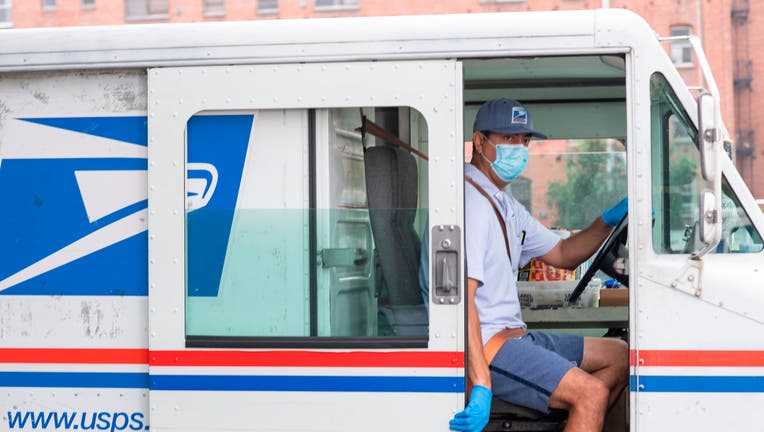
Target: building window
[681, 51]
[88, 4]
[48, 4]
[337, 4]
[214, 7]
[146, 9]
[5, 13]
[267, 6]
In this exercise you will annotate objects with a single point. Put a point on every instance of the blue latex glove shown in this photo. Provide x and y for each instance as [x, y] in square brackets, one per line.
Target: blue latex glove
[614, 214]
[475, 416]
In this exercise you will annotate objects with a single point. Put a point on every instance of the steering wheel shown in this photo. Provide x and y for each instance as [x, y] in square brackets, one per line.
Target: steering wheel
[605, 259]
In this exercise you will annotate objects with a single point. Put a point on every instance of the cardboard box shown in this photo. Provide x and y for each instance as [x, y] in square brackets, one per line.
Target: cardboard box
[614, 297]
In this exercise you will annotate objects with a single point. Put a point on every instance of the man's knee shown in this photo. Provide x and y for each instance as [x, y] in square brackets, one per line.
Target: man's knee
[593, 392]
[618, 363]
[620, 352]
[578, 389]
[622, 347]
[600, 353]
[621, 360]
[598, 390]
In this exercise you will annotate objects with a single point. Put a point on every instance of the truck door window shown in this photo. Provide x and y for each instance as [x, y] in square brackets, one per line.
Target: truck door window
[282, 245]
[677, 183]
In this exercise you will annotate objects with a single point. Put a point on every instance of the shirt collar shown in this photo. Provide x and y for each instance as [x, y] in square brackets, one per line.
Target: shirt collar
[483, 181]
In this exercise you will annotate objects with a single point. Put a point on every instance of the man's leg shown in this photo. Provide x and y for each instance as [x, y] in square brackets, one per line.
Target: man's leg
[586, 394]
[585, 397]
[539, 371]
[608, 360]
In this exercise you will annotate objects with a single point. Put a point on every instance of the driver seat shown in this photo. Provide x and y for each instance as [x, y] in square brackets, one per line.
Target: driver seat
[506, 417]
[391, 178]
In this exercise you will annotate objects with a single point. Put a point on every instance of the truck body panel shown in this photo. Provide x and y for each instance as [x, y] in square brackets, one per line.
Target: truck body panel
[188, 236]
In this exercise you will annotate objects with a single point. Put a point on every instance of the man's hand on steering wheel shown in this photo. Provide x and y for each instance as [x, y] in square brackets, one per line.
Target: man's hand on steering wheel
[613, 215]
[608, 253]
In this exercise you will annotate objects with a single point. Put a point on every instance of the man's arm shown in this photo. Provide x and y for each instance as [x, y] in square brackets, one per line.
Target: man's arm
[571, 252]
[478, 368]
[475, 416]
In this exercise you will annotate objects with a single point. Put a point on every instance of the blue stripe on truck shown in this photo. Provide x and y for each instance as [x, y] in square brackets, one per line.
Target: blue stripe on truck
[309, 383]
[75, 379]
[697, 384]
[400, 384]
[419, 384]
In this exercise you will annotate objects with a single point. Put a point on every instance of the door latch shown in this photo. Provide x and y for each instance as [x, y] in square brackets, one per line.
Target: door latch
[446, 264]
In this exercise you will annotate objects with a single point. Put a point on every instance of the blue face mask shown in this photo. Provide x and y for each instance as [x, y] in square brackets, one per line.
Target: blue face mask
[511, 160]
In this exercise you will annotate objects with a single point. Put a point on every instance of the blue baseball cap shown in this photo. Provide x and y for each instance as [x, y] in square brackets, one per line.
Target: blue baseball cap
[505, 116]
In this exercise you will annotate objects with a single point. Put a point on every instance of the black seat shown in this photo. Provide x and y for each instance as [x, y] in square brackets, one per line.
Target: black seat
[510, 417]
[391, 190]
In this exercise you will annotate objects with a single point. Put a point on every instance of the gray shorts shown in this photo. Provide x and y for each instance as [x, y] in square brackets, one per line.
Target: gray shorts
[527, 370]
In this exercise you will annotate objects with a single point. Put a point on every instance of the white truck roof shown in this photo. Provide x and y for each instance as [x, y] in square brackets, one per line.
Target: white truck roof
[309, 40]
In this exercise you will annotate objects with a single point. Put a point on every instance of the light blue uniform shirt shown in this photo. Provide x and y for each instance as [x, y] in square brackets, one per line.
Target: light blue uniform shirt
[497, 299]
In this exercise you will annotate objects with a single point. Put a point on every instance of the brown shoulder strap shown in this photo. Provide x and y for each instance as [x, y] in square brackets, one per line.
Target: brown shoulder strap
[496, 212]
[368, 126]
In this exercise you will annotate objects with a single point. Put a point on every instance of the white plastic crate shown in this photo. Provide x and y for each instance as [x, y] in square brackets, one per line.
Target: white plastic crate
[550, 294]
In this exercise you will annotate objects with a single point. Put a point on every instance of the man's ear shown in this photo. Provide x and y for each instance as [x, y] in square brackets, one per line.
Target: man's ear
[477, 141]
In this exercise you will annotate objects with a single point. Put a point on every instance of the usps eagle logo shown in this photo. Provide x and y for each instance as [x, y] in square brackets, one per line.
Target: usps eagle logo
[519, 115]
[75, 200]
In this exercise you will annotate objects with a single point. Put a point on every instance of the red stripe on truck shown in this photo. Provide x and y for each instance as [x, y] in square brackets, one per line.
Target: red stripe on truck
[75, 355]
[693, 358]
[213, 358]
[397, 359]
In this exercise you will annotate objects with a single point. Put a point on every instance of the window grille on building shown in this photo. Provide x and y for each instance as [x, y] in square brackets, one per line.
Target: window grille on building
[214, 7]
[681, 51]
[267, 6]
[137, 9]
[337, 4]
[48, 4]
[5, 13]
[88, 3]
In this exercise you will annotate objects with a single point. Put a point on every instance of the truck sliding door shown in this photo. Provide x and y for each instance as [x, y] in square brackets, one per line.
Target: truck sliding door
[282, 294]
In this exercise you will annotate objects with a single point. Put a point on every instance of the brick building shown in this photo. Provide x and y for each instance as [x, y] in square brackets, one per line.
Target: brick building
[724, 26]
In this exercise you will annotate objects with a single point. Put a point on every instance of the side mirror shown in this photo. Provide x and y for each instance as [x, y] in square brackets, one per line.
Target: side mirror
[708, 217]
[708, 135]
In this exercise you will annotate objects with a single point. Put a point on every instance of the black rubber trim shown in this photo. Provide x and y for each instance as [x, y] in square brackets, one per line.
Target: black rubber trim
[529, 102]
[312, 227]
[544, 83]
[377, 342]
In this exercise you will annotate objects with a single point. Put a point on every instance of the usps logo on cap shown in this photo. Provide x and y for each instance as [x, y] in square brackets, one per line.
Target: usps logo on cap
[519, 115]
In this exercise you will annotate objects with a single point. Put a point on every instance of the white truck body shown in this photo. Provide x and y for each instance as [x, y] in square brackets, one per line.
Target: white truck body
[111, 138]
